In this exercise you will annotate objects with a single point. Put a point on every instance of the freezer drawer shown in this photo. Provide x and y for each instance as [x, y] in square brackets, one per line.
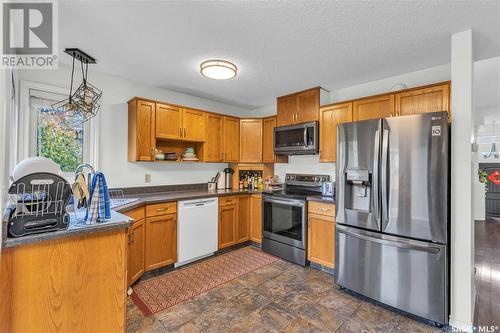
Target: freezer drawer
[405, 274]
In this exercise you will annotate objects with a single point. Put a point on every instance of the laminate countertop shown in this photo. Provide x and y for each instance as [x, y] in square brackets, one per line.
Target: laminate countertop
[117, 221]
[151, 198]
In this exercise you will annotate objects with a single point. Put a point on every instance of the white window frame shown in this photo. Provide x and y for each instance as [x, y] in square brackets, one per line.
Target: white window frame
[27, 123]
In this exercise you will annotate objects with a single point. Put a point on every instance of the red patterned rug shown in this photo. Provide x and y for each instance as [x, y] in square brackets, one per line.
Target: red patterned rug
[161, 292]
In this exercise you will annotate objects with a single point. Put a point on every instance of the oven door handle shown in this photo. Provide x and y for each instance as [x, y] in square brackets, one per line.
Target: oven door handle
[287, 202]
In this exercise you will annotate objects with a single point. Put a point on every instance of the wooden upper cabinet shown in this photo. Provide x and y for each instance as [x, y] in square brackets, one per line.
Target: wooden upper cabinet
[307, 106]
[141, 133]
[430, 99]
[373, 108]
[231, 141]
[286, 109]
[268, 156]
[168, 121]
[251, 140]
[193, 122]
[329, 117]
[300, 107]
[213, 137]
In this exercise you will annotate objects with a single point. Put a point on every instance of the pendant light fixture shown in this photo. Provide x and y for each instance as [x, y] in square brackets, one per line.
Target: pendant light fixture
[83, 104]
[218, 69]
[493, 150]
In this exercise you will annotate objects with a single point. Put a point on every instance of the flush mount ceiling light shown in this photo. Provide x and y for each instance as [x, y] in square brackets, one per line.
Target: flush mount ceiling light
[218, 69]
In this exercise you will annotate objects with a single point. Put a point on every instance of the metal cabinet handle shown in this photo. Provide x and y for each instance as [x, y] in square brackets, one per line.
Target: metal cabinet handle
[180, 132]
[323, 209]
[184, 132]
[161, 209]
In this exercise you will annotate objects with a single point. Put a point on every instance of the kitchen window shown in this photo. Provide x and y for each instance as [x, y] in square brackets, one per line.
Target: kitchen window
[43, 133]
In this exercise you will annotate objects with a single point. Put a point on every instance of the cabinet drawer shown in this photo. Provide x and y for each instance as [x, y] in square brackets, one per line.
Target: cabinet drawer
[229, 200]
[161, 209]
[321, 208]
[137, 213]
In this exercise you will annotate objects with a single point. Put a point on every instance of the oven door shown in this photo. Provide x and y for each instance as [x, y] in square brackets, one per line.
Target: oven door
[284, 220]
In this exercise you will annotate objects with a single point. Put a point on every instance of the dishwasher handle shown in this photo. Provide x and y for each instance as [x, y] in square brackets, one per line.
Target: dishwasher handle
[196, 204]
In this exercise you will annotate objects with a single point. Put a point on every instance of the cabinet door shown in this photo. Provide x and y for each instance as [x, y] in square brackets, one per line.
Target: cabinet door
[243, 226]
[231, 140]
[320, 240]
[256, 218]
[287, 110]
[307, 106]
[193, 122]
[168, 122]
[161, 241]
[145, 120]
[431, 99]
[213, 140]
[136, 237]
[251, 140]
[329, 117]
[228, 216]
[373, 108]
[268, 125]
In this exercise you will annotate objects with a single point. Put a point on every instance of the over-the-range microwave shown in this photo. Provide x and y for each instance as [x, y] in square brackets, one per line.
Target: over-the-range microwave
[300, 139]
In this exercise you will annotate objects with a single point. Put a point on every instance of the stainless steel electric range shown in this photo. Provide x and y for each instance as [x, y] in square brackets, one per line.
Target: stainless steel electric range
[284, 216]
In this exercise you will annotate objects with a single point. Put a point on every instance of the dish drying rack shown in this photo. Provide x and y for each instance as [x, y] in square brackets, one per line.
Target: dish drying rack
[38, 204]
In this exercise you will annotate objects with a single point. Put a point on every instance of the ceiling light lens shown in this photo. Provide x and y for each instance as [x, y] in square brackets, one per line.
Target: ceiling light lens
[218, 69]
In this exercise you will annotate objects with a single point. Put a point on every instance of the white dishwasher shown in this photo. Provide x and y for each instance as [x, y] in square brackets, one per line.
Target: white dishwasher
[197, 229]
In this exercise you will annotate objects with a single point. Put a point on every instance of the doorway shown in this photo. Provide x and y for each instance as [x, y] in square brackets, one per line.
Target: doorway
[492, 202]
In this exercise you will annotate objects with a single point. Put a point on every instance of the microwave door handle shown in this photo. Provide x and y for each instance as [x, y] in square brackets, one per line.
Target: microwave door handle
[305, 137]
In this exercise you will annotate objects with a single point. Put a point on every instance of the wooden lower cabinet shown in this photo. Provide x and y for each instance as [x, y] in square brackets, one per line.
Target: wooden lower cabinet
[228, 217]
[256, 218]
[72, 284]
[136, 242]
[161, 241]
[321, 235]
[243, 223]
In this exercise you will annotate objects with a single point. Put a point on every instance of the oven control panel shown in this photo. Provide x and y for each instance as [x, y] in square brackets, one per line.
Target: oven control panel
[302, 179]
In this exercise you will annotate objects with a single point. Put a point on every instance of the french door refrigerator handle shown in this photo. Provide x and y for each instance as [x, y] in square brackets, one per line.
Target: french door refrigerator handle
[430, 249]
[383, 178]
[375, 180]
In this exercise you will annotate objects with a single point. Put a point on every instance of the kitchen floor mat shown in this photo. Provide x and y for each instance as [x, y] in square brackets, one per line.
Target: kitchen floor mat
[160, 292]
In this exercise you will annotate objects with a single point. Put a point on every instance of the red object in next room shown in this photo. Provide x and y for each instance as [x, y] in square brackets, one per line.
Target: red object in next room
[494, 177]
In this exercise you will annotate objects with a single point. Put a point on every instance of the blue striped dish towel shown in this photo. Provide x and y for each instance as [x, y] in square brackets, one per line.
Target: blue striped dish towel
[99, 207]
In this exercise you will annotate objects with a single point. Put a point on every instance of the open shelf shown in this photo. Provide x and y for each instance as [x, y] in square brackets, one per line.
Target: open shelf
[174, 146]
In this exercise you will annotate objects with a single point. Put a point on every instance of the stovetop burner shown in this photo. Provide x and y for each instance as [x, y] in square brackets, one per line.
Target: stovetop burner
[299, 186]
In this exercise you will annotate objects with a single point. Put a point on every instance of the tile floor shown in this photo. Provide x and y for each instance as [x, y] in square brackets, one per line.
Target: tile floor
[280, 297]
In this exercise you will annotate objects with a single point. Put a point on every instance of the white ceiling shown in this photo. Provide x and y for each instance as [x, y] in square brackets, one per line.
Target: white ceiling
[279, 47]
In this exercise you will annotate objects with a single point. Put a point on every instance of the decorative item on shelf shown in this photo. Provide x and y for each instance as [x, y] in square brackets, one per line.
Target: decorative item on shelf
[83, 104]
[189, 155]
[171, 156]
[493, 149]
[159, 155]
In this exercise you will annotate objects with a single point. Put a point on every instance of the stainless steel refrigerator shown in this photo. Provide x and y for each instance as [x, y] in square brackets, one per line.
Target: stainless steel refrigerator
[392, 231]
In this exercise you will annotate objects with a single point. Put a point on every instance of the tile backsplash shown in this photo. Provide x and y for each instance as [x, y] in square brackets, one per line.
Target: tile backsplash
[306, 164]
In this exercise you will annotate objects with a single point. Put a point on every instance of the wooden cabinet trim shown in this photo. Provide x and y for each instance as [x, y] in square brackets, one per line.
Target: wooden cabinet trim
[320, 208]
[161, 209]
[167, 245]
